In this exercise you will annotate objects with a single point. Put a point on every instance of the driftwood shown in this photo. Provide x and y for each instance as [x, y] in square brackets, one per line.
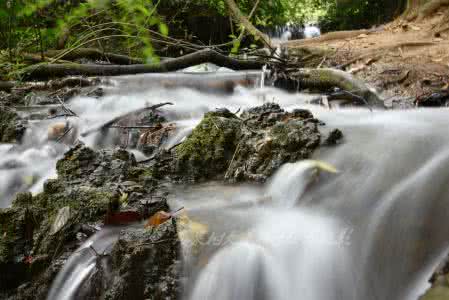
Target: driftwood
[326, 78]
[43, 71]
[110, 123]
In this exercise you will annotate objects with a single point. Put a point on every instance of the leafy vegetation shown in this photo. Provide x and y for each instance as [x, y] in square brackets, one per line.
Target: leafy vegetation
[148, 28]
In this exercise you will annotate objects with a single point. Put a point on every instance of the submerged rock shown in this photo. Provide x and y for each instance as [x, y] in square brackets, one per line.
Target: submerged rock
[145, 264]
[250, 147]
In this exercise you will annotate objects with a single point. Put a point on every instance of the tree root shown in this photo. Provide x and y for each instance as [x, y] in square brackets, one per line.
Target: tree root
[44, 71]
[324, 79]
[431, 7]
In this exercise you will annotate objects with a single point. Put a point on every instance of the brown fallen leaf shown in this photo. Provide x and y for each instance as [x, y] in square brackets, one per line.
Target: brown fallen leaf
[158, 218]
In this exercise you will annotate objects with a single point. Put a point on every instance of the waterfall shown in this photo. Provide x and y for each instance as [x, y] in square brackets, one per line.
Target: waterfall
[373, 231]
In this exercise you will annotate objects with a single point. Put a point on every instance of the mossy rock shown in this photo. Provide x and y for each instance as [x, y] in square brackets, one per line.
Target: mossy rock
[11, 130]
[16, 238]
[76, 162]
[207, 151]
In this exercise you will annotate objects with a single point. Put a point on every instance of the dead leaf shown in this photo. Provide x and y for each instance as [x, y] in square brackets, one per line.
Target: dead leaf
[415, 28]
[158, 218]
[124, 199]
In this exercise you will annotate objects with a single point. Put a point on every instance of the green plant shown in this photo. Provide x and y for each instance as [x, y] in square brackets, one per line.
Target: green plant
[37, 25]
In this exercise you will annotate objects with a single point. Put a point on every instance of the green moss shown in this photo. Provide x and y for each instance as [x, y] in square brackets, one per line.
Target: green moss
[139, 173]
[211, 144]
[23, 199]
[12, 232]
[7, 126]
[439, 292]
[75, 161]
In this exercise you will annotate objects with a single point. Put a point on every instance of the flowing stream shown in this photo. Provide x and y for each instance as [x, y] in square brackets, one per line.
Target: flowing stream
[374, 230]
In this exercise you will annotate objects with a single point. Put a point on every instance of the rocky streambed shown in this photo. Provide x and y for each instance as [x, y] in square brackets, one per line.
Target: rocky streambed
[105, 226]
[107, 188]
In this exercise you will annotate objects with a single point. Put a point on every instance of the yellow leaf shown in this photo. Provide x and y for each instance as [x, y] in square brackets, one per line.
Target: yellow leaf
[124, 199]
[324, 166]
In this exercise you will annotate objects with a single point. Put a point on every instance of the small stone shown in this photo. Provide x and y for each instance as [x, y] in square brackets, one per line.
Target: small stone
[334, 137]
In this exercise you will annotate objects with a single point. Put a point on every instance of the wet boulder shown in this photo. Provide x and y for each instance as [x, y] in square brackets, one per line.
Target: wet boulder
[249, 147]
[16, 238]
[209, 149]
[145, 264]
[38, 233]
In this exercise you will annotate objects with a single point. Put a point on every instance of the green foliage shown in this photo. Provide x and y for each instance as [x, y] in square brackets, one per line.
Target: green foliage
[356, 14]
[37, 25]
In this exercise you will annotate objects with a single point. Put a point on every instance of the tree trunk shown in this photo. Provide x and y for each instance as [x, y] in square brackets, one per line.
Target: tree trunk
[45, 71]
[423, 8]
[240, 18]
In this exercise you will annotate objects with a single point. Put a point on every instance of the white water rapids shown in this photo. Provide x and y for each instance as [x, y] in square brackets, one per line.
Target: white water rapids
[373, 231]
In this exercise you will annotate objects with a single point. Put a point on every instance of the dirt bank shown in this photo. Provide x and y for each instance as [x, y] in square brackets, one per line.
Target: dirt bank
[402, 59]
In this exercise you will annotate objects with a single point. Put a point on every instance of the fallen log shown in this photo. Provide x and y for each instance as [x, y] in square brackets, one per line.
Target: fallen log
[44, 71]
[327, 78]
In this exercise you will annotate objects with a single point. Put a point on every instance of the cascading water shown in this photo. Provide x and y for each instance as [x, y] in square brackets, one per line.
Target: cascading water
[373, 231]
[291, 31]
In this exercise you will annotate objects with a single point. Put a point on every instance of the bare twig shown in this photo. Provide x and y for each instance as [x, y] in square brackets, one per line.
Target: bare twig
[116, 119]
[65, 108]
[64, 134]
[133, 127]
